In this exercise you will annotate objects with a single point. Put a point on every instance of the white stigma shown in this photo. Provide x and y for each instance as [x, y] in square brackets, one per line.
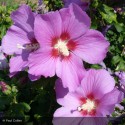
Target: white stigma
[20, 46]
[62, 47]
[89, 105]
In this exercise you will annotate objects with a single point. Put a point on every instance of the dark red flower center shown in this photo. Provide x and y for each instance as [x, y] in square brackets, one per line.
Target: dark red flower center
[63, 45]
[88, 105]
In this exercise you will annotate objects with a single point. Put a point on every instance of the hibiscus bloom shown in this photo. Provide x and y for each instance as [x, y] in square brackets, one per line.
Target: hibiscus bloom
[65, 42]
[20, 40]
[84, 4]
[95, 97]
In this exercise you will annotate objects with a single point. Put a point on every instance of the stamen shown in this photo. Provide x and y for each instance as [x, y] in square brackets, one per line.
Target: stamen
[34, 46]
[20, 46]
[88, 106]
[62, 47]
[30, 47]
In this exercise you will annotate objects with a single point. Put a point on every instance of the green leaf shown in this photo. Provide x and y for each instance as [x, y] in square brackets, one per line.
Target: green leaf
[108, 14]
[26, 107]
[119, 27]
[116, 59]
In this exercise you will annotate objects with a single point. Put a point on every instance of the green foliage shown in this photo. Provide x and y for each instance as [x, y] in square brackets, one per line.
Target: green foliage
[106, 15]
[5, 20]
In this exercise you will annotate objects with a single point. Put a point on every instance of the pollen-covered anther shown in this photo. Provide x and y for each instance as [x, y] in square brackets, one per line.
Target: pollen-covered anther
[62, 47]
[34, 46]
[88, 106]
[30, 46]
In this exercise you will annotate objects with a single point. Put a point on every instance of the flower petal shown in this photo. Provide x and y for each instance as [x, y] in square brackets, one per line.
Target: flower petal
[71, 101]
[75, 21]
[44, 64]
[24, 18]
[60, 91]
[14, 38]
[70, 73]
[65, 112]
[92, 47]
[17, 64]
[33, 78]
[112, 98]
[80, 15]
[47, 26]
[97, 82]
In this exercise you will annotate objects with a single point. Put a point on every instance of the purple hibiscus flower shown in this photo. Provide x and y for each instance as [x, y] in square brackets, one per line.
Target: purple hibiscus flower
[19, 40]
[95, 97]
[65, 42]
[3, 60]
[84, 4]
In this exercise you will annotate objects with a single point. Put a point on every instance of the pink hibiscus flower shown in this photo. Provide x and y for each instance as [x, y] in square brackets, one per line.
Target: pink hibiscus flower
[20, 40]
[95, 97]
[65, 42]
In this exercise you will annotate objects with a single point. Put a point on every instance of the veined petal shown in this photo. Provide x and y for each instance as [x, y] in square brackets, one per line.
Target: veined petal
[47, 27]
[98, 83]
[44, 64]
[17, 64]
[112, 98]
[80, 15]
[24, 18]
[92, 47]
[70, 72]
[12, 41]
[75, 22]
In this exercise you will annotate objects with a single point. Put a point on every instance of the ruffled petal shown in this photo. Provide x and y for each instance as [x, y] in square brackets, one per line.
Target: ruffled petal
[13, 40]
[75, 21]
[80, 15]
[112, 98]
[92, 47]
[98, 83]
[24, 18]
